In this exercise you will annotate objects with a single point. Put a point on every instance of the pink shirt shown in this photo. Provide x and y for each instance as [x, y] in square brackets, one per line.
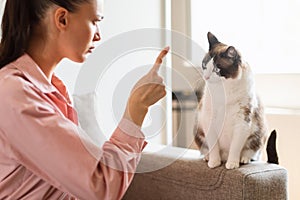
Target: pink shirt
[42, 155]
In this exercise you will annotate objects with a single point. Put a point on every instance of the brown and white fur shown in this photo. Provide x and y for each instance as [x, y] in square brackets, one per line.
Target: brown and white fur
[230, 123]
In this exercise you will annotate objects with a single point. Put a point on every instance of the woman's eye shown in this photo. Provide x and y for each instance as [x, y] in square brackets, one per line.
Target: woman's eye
[97, 20]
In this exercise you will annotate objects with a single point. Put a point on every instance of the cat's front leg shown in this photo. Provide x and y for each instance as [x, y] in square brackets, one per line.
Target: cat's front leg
[232, 164]
[239, 138]
[214, 158]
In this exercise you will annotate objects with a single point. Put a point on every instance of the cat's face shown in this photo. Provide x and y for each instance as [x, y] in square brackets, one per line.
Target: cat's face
[221, 62]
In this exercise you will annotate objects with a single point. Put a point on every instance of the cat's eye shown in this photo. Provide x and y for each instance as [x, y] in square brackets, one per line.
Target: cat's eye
[217, 70]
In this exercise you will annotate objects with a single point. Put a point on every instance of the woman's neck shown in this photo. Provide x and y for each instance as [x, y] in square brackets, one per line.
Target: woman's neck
[44, 54]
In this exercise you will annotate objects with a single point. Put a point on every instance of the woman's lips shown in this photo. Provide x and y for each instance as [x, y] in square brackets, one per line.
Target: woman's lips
[91, 49]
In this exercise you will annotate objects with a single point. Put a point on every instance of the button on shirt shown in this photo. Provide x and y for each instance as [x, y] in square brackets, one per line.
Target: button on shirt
[43, 154]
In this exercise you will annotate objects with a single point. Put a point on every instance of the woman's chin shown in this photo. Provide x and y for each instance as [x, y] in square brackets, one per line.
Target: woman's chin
[79, 59]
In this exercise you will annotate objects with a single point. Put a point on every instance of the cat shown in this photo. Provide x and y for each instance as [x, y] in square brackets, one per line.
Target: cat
[230, 121]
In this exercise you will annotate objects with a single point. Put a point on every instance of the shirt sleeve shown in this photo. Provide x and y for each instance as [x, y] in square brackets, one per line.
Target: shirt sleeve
[53, 148]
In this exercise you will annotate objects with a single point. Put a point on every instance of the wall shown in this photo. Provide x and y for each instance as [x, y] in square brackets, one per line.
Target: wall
[288, 128]
[2, 4]
[281, 96]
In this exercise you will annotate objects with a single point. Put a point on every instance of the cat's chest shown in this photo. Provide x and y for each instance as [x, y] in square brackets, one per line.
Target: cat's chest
[225, 102]
[237, 89]
[224, 94]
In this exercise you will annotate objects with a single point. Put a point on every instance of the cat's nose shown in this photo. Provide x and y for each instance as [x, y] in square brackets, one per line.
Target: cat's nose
[206, 77]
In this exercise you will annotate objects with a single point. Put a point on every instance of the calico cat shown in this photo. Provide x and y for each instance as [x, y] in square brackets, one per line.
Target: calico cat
[230, 122]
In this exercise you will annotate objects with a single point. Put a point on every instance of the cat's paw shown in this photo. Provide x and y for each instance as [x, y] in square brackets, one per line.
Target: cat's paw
[245, 160]
[232, 164]
[214, 163]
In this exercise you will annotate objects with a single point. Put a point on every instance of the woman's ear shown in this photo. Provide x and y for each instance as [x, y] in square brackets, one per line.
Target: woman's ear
[61, 18]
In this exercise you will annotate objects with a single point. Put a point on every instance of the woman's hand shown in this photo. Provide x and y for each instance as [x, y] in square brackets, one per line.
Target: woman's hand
[146, 92]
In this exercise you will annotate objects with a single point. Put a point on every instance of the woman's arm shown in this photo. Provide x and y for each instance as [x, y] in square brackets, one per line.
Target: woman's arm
[55, 149]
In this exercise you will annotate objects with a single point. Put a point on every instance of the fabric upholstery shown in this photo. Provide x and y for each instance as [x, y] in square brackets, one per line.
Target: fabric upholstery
[186, 178]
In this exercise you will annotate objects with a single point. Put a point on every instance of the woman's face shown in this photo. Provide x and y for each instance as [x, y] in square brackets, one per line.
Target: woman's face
[82, 31]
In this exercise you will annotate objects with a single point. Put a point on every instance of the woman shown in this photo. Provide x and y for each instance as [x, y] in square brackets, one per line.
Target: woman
[42, 155]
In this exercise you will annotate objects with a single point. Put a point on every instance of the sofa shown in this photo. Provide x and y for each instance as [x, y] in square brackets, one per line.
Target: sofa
[180, 173]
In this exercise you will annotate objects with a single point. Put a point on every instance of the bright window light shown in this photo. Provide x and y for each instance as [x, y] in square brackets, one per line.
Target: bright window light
[266, 32]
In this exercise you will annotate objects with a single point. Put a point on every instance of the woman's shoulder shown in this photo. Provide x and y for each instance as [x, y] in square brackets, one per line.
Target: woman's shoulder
[13, 82]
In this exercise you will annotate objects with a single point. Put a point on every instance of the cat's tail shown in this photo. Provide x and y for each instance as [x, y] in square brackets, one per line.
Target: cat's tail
[271, 148]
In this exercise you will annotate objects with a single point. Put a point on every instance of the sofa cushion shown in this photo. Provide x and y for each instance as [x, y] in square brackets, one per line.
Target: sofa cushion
[188, 177]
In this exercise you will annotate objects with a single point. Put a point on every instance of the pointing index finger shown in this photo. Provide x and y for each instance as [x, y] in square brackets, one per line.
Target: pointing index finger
[159, 59]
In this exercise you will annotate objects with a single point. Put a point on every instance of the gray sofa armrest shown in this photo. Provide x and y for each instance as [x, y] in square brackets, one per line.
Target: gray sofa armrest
[178, 173]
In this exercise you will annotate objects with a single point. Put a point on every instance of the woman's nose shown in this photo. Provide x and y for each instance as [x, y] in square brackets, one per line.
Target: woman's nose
[97, 36]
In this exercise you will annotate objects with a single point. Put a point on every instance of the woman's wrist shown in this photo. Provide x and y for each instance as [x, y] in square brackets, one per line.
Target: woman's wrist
[135, 113]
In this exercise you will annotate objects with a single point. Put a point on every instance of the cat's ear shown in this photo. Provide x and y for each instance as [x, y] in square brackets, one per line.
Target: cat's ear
[231, 52]
[212, 40]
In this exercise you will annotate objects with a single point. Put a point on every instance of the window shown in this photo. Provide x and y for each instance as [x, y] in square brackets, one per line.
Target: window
[266, 32]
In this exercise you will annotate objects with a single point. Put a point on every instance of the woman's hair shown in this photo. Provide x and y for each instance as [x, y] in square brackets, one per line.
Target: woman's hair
[19, 18]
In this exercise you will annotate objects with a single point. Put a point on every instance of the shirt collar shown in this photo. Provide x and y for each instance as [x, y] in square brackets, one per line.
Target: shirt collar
[34, 74]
